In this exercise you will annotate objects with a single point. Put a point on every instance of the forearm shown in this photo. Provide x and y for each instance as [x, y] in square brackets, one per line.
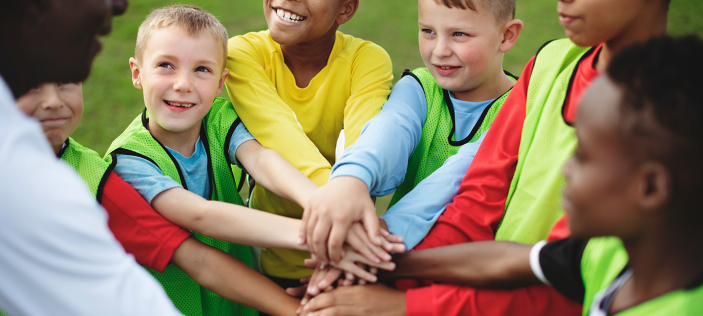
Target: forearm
[274, 173]
[477, 264]
[232, 279]
[228, 222]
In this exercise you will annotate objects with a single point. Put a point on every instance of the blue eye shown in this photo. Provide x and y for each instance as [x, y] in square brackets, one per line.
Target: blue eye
[428, 31]
[459, 34]
[166, 65]
[203, 69]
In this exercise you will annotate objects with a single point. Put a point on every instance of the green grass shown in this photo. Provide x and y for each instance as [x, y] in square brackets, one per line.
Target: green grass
[111, 102]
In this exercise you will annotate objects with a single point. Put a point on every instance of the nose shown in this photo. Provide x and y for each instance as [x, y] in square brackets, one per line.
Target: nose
[183, 82]
[50, 97]
[119, 7]
[442, 49]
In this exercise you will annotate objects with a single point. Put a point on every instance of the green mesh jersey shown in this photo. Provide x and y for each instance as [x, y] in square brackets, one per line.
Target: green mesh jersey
[605, 258]
[438, 142]
[89, 165]
[216, 131]
[547, 141]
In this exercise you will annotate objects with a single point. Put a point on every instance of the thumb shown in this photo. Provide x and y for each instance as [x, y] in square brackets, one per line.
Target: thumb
[302, 232]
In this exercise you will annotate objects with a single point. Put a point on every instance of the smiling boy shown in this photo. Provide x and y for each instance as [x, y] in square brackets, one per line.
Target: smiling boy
[295, 86]
[436, 116]
[181, 152]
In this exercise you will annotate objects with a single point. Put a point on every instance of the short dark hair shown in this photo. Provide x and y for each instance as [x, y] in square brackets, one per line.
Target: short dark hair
[502, 10]
[661, 114]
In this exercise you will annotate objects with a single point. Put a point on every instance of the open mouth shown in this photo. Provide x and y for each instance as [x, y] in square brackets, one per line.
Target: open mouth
[289, 16]
[447, 67]
[179, 104]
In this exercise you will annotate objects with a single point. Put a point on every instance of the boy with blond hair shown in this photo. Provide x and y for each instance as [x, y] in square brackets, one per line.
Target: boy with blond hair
[435, 117]
[181, 152]
[295, 86]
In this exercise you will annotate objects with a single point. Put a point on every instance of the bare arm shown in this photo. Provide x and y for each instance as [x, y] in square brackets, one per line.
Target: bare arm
[478, 264]
[228, 222]
[232, 279]
[274, 173]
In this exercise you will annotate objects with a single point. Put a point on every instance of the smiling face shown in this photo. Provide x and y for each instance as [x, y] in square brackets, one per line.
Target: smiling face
[295, 22]
[461, 48]
[58, 107]
[591, 22]
[601, 192]
[181, 76]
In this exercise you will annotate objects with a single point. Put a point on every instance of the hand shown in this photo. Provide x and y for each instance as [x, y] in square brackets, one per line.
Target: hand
[359, 241]
[325, 275]
[331, 211]
[376, 299]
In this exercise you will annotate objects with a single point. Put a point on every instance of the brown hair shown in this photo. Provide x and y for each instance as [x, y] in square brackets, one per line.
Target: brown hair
[191, 19]
[502, 10]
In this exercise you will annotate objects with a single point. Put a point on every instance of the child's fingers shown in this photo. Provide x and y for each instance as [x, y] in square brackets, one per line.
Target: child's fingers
[337, 236]
[359, 242]
[390, 237]
[305, 280]
[332, 275]
[320, 234]
[297, 291]
[354, 257]
[361, 273]
[310, 228]
[311, 263]
[302, 233]
[377, 250]
[370, 221]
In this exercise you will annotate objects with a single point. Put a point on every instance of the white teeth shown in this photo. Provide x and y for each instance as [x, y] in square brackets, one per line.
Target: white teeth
[289, 16]
[182, 105]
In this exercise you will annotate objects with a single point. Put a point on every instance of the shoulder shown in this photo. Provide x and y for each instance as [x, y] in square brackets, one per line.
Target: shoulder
[253, 42]
[356, 50]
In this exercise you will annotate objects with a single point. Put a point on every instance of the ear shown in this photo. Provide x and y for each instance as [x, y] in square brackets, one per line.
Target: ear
[349, 8]
[221, 85]
[136, 78]
[511, 33]
[654, 190]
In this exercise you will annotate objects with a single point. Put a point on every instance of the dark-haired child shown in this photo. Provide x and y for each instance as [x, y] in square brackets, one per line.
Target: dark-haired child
[631, 196]
[295, 86]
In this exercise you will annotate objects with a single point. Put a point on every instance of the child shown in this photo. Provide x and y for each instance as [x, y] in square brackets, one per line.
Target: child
[154, 241]
[180, 154]
[295, 87]
[434, 114]
[631, 196]
[511, 191]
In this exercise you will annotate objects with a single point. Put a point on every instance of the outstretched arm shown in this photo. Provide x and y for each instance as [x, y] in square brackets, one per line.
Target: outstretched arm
[230, 278]
[476, 264]
[275, 173]
[225, 221]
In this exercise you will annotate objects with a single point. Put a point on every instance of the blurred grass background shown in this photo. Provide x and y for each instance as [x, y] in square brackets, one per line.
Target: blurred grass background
[111, 102]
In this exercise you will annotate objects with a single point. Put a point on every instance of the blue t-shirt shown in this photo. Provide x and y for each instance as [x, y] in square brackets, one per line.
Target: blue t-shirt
[149, 180]
[380, 158]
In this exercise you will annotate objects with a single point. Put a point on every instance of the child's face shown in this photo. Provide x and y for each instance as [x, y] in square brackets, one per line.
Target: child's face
[600, 195]
[58, 107]
[591, 22]
[180, 76]
[302, 21]
[461, 48]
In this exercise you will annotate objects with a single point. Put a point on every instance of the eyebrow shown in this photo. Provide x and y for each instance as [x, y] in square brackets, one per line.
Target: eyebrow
[200, 61]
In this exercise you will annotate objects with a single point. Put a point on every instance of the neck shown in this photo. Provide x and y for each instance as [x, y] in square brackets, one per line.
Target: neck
[649, 25]
[57, 148]
[662, 261]
[305, 60]
[492, 88]
[182, 142]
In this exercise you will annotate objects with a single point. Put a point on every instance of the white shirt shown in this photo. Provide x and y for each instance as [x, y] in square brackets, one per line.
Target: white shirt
[57, 254]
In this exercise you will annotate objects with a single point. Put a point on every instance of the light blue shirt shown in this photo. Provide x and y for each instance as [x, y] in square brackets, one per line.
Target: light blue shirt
[149, 180]
[380, 157]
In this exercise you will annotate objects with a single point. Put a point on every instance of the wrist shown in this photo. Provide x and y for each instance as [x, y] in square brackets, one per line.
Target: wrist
[351, 183]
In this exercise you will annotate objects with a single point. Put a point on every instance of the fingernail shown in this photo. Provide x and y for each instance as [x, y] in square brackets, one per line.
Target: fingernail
[322, 284]
[374, 278]
[378, 238]
[300, 241]
[323, 265]
[313, 256]
[376, 260]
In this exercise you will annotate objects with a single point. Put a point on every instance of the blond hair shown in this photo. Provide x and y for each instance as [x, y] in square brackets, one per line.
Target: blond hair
[191, 19]
[502, 10]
